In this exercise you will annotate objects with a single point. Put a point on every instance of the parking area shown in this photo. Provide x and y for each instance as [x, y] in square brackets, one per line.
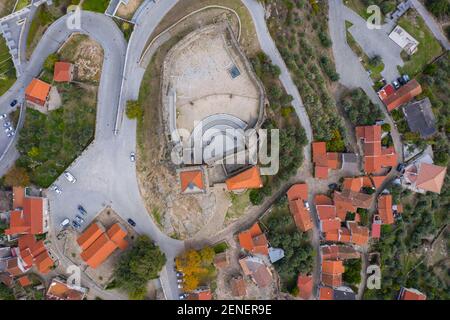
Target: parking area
[7, 132]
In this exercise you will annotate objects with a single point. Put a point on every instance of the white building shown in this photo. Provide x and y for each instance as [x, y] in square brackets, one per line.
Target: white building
[404, 40]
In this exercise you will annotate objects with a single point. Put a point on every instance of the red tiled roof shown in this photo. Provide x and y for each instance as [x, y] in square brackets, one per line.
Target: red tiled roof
[59, 290]
[385, 209]
[376, 230]
[301, 215]
[249, 179]
[411, 294]
[378, 181]
[62, 72]
[431, 177]
[191, 180]
[330, 224]
[305, 286]
[321, 172]
[238, 286]
[325, 293]
[326, 211]
[360, 235]
[322, 199]
[319, 149]
[298, 191]
[332, 267]
[403, 95]
[253, 240]
[24, 281]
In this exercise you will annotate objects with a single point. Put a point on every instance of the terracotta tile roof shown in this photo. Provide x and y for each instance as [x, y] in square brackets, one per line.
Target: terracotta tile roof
[326, 211]
[333, 267]
[37, 90]
[322, 199]
[378, 180]
[330, 224]
[99, 251]
[332, 280]
[298, 191]
[88, 237]
[431, 177]
[345, 235]
[191, 181]
[59, 290]
[325, 293]
[324, 160]
[202, 295]
[376, 230]
[221, 260]
[332, 235]
[13, 267]
[253, 240]
[249, 179]
[341, 252]
[385, 209]
[333, 160]
[305, 286]
[360, 235]
[18, 197]
[321, 172]
[386, 91]
[28, 220]
[319, 150]
[117, 234]
[411, 294]
[301, 215]
[24, 281]
[62, 72]
[238, 286]
[403, 95]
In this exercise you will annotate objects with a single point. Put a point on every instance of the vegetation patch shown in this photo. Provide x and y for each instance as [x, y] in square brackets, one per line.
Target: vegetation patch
[198, 268]
[7, 69]
[359, 109]
[95, 5]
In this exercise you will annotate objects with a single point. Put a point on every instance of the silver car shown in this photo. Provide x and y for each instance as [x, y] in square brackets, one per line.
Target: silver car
[70, 177]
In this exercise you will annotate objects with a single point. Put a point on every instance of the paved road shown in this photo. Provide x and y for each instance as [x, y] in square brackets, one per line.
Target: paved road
[432, 24]
[351, 72]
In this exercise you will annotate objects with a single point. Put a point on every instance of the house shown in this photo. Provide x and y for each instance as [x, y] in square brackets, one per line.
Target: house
[325, 293]
[299, 207]
[404, 40]
[351, 197]
[422, 176]
[24, 281]
[326, 212]
[420, 118]
[32, 252]
[359, 234]
[29, 215]
[193, 180]
[305, 286]
[403, 95]
[323, 160]
[411, 294]
[248, 179]
[341, 252]
[15, 266]
[7, 279]
[203, 294]
[5, 255]
[37, 92]
[386, 91]
[332, 271]
[378, 180]
[97, 245]
[255, 268]
[254, 240]
[63, 72]
[238, 286]
[221, 260]
[376, 157]
[61, 290]
[385, 211]
[376, 227]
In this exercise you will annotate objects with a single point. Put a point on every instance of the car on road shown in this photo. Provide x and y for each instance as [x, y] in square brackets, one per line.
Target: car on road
[401, 168]
[180, 286]
[131, 222]
[332, 186]
[182, 296]
[79, 219]
[82, 210]
[11, 134]
[180, 274]
[133, 157]
[65, 223]
[7, 124]
[3, 116]
[13, 103]
[396, 84]
[70, 177]
[56, 189]
[8, 129]
[76, 225]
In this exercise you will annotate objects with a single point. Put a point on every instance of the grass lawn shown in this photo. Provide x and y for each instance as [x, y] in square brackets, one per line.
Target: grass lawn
[357, 6]
[22, 4]
[429, 48]
[96, 5]
[7, 70]
[238, 205]
[48, 144]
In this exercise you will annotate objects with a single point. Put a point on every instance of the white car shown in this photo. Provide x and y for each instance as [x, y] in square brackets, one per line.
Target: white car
[11, 134]
[8, 129]
[65, 223]
[56, 189]
[7, 124]
[3, 116]
[70, 177]
[132, 157]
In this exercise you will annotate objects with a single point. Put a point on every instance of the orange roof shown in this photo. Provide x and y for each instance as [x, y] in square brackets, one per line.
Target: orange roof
[44, 262]
[333, 267]
[18, 197]
[245, 240]
[378, 180]
[332, 235]
[60, 291]
[88, 237]
[30, 218]
[249, 179]
[24, 281]
[99, 251]
[385, 209]
[325, 293]
[298, 191]
[322, 199]
[326, 212]
[321, 172]
[301, 215]
[344, 235]
[330, 224]
[305, 286]
[411, 294]
[332, 280]
[117, 234]
[403, 95]
[192, 180]
[360, 235]
[12, 266]
[62, 72]
[203, 295]
[370, 134]
[38, 89]
[431, 177]
[255, 230]
[333, 160]
[254, 240]
[319, 149]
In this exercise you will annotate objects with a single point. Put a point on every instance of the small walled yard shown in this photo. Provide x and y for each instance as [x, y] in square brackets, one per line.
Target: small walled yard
[7, 69]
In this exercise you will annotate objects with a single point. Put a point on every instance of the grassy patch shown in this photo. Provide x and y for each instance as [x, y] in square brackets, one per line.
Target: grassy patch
[7, 69]
[95, 5]
[6, 7]
[358, 6]
[157, 216]
[22, 4]
[220, 247]
[428, 49]
[48, 144]
[239, 202]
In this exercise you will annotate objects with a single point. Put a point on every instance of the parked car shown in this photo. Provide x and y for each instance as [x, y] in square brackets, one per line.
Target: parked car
[404, 79]
[8, 129]
[179, 280]
[79, 219]
[3, 116]
[131, 222]
[82, 210]
[65, 223]
[401, 168]
[182, 296]
[133, 157]
[7, 124]
[13, 103]
[180, 274]
[76, 225]
[70, 177]
[180, 286]
[56, 189]
[333, 186]
[396, 84]
[11, 134]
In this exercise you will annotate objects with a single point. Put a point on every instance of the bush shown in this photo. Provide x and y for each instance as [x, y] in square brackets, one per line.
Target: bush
[134, 110]
[386, 127]
[256, 197]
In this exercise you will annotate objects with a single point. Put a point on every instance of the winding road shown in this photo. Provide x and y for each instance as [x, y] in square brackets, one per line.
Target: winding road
[105, 175]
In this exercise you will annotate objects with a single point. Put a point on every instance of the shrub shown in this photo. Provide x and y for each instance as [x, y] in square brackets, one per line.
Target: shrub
[134, 110]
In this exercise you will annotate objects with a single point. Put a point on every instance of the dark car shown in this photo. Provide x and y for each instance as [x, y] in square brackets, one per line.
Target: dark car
[333, 186]
[401, 168]
[13, 103]
[131, 222]
[82, 210]
[76, 225]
